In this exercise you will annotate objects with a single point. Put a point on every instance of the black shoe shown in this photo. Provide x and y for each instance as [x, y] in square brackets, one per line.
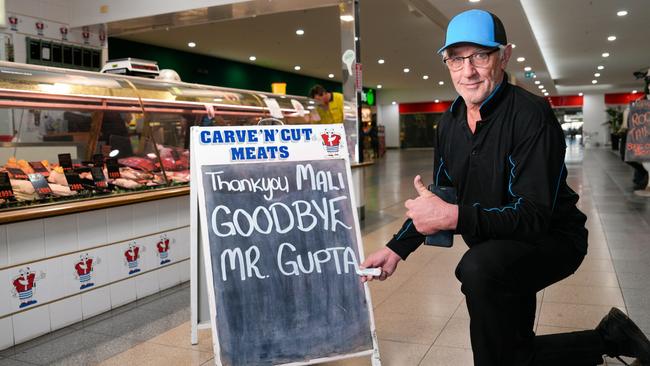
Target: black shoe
[623, 337]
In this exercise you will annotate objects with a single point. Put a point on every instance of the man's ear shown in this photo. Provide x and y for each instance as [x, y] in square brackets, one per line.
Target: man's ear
[507, 52]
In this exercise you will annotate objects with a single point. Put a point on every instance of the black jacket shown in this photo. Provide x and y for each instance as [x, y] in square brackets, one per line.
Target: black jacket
[509, 174]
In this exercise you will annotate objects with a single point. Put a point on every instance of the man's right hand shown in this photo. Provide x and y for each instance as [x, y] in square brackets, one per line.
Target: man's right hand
[385, 259]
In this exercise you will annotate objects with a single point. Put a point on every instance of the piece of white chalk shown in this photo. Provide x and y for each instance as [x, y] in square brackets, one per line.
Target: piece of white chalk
[375, 272]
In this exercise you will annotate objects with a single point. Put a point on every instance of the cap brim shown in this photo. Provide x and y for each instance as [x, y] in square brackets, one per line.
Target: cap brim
[481, 43]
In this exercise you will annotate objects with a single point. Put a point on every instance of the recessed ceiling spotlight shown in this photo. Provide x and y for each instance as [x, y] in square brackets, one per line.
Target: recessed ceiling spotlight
[611, 38]
[521, 59]
[331, 76]
[621, 13]
[513, 45]
[546, 94]
[379, 86]
[300, 32]
[594, 81]
[425, 77]
[347, 18]
[191, 45]
[441, 82]
[527, 68]
[580, 94]
[540, 86]
[381, 61]
[537, 82]
[406, 69]
[597, 74]
[474, 1]
[605, 54]
[543, 90]
[634, 91]
[252, 58]
[393, 102]
[297, 67]
[600, 67]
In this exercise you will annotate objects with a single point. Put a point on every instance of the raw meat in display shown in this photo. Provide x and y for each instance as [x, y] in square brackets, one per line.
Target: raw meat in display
[126, 183]
[137, 163]
[61, 191]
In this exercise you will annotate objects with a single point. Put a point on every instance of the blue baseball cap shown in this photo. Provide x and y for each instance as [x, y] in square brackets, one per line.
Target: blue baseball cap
[475, 26]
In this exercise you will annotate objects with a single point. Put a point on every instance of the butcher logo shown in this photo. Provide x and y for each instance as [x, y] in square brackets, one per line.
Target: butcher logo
[14, 23]
[64, 33]
[24, 285]
[84, 270]
[39, 28]
[331, 142]
[163, 249]
[132, 255]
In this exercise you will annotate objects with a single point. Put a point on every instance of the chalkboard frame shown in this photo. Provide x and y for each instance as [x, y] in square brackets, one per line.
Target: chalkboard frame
[209, 154]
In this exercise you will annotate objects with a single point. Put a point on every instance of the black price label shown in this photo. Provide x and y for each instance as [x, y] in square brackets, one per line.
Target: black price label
[74, 182]
[98, 160]
[40, 184]
[98, 177]
[65, 161]
[17, 173]
[6, 192]
[39, 168]
[113, 168]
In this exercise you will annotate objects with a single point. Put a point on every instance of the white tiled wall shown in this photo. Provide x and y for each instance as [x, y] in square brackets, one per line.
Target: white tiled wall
[7, 334]
[95, 302]
[92, 229]
[4, 254]
[61, 235]
[74, 235]
[25, 241]
[65, 312]
[31, 324]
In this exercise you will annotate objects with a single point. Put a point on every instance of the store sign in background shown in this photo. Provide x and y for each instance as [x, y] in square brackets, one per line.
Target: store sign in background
[637, 147]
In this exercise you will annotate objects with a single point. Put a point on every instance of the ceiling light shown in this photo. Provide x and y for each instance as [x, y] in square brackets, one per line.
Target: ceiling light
[597, 74]
[297, 67]
[514, 45]
[347, 18]
[406, 69]
[534, 76]
[380, 61]
[540, 86]
[437, 100]
[300, 32]
[527, 68]
[621, 13]
[580, 94]
[546, 94]
[611, 38]
[252, 58]
[600, 67]
[521, 59]
[191, 45]
[312, 102]
[594, 81]
[379, 86]
[537, 82]
[331, 76]
[425, 77]
[634, 91]
[605, 54]
[474, 1]
[393, 102]
[543, 90]
[441, 82]
[356, 39]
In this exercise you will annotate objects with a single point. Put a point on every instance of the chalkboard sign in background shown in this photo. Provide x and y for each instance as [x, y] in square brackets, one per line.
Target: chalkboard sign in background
[283, 249]
[637, 147]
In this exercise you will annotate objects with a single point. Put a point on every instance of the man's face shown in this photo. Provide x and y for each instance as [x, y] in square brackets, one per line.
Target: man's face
[322, 98]
[474, 83]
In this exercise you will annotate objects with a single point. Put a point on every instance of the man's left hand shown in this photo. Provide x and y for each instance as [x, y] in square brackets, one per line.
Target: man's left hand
[429, 212]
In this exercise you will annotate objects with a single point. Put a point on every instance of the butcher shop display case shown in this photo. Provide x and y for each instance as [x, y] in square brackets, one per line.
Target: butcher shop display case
[73, 140]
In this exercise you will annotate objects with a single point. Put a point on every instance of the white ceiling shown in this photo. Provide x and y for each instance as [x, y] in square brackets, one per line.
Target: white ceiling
[562, 41]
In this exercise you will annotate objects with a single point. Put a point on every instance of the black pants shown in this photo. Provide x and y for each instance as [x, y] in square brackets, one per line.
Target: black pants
[500, 279]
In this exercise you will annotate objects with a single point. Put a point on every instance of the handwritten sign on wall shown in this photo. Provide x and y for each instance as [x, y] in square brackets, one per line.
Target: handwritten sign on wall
[637, 147]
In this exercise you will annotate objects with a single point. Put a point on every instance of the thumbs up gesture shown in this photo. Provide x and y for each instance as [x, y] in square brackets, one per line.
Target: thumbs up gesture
[429, 212]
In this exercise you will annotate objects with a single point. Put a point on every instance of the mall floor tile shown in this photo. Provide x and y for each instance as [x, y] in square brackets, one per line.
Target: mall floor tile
[420, 313]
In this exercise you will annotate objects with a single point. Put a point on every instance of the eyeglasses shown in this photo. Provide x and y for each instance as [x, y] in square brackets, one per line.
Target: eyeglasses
[477, 59]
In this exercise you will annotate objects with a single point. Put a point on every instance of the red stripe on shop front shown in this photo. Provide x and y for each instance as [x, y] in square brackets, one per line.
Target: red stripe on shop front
[622, 98]
[425, 107]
